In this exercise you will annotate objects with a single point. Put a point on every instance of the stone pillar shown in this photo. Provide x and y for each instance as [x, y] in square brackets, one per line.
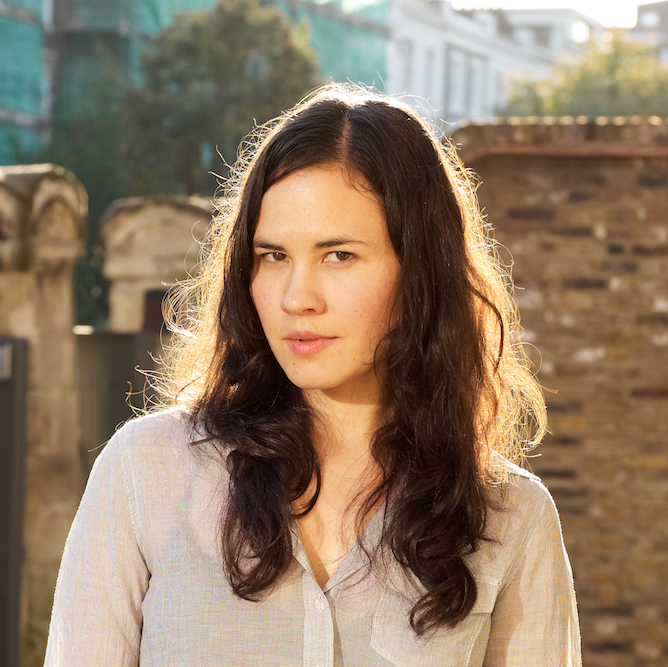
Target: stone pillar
[151, 242]
[42, 226]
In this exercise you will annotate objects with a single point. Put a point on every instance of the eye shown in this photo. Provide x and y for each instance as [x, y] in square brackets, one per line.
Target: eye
[273, 257]
[339, 256]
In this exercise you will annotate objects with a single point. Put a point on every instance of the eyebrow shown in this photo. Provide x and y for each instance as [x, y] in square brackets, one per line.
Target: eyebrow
[329, 243]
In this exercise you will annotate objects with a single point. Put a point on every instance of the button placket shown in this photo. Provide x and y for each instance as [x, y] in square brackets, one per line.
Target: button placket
[318, 625]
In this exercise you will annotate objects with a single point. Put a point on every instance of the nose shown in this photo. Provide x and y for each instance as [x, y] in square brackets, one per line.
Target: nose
[302, 294]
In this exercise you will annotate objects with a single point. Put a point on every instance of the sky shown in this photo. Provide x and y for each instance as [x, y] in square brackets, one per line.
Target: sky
[611, 13]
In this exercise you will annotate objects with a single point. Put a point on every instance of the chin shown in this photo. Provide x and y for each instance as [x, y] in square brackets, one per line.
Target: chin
[312, 383]
[313, 378]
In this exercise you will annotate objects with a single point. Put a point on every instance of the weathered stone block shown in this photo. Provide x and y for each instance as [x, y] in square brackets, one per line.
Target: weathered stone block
[150, 242]
[43, 210]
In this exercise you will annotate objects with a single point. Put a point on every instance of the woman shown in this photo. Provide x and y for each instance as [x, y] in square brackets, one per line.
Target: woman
[333, 485]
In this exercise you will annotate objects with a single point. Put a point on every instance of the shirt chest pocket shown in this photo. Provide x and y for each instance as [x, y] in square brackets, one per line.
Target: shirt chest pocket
[462, 646]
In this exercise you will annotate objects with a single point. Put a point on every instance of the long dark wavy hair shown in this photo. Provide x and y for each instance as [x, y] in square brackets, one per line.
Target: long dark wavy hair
[456, 386]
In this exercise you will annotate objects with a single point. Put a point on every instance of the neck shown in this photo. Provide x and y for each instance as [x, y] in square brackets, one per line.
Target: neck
[342, 433]
[343, 427]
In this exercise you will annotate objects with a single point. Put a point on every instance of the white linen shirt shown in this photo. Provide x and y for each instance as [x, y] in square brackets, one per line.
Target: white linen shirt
[141, 580]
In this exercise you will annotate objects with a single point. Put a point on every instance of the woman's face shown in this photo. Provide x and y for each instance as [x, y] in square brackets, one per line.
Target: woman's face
[324, 281]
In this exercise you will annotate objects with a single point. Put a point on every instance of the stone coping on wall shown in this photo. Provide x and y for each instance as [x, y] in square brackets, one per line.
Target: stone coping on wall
[43, 210]
[24, 181]
[568, 136]
[131, 205]
[151, 243]
[152, 235]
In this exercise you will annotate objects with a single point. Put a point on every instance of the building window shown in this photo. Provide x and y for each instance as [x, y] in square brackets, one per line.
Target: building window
[455, 84]
[406, 64]
[499, 92]
[580, 32]
[476, 69]
[428, 73]
[650, 19]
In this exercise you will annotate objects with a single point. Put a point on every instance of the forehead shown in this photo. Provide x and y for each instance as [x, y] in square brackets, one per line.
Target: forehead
[321, 200]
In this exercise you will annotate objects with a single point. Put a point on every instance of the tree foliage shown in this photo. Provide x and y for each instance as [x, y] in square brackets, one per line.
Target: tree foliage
[207, 78]
[615, 78]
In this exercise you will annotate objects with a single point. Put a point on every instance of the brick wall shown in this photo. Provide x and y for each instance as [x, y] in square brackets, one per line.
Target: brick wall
[583, 209]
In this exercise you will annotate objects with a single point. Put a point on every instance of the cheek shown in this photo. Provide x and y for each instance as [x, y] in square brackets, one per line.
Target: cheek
[368, 304]
[381, 302]
[261, 297]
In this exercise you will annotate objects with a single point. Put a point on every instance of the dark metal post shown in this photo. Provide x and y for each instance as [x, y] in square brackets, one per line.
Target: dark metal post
[13, 390]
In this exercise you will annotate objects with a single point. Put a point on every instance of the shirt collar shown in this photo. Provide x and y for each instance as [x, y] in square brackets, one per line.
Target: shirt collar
[355, 560]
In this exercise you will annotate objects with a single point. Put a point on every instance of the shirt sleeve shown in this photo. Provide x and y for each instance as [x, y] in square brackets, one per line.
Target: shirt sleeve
[97, 618]
[535, 621]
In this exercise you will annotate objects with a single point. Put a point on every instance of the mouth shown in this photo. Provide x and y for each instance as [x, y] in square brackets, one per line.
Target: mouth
[304, 343]
[307, 336]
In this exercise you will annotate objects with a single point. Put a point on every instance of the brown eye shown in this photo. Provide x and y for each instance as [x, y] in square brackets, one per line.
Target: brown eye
[340, 256]
[273, 257]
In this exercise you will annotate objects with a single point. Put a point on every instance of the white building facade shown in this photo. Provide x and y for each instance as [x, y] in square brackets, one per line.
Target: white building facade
[457, 64]
[652, 28]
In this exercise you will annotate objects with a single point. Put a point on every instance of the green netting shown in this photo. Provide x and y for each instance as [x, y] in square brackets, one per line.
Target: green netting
[346, 51]
[136, 47]
[6, 152]
[16, 141]
[153, 15]
[87, 59]
[176, 6]
[20, 66]
[150, 16]
[6, 147]
[374, 10]
[103, 14]
[32, 5]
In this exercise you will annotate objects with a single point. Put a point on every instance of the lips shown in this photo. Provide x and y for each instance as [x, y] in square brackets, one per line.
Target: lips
[305, 343]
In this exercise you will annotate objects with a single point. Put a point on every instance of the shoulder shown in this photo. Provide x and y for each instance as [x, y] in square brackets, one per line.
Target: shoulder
[521, 508]
[157, 454]
[171, 485]
[163, 426]
[155, 436]
[522, 491]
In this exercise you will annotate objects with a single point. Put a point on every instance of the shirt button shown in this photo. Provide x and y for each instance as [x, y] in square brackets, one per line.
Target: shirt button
[319, 604]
